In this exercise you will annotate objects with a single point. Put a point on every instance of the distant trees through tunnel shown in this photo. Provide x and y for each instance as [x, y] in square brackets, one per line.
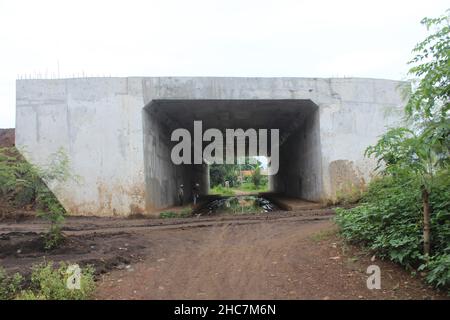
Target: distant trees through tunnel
[240, 178]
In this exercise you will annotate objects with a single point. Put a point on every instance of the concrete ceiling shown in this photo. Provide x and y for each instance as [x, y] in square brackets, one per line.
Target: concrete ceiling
[286, 115]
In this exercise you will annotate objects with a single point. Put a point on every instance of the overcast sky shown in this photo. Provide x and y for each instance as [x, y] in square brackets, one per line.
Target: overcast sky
[296, 38]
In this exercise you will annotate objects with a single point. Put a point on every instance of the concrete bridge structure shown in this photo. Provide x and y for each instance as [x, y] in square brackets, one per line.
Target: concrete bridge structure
[116, 133]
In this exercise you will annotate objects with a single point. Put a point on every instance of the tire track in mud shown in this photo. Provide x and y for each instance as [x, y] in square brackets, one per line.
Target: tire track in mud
[75, 227]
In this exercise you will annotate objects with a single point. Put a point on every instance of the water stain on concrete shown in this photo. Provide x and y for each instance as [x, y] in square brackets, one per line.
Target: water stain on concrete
[345, 178]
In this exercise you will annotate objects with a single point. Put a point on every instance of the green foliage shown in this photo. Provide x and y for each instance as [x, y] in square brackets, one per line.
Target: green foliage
[18, 179]
[245, 186]
[257, 177]
[25, 184]
[51, 210]
[219, 173]
[348, 193]
[421, 150]
[430, 67]
[47, 283]
[168, 214]
[222, 191]
[414, 162]
[250, 166]
[184, 213]
[389, 222]
[7, 174]
[424, 147]
[250, 186]
[9, 285]
[427, 144]
[50, 283]
[439, 271]
[401, 151]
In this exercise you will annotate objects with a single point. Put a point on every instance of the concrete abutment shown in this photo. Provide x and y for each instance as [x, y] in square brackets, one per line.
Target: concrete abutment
[116, 132]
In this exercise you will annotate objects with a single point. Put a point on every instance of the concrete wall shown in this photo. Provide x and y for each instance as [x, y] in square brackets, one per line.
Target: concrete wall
[162, 177]
[99, 122]
[300, 161]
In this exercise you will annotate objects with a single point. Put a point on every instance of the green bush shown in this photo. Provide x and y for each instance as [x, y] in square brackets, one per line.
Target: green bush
[9, 285]
[389, 221]
[49, 283]
[439, 270]
[184, 213]
[348, 193]
[22, 183]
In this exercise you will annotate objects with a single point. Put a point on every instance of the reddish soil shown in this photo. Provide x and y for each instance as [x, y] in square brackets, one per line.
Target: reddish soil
[7, 138]
[281, 255]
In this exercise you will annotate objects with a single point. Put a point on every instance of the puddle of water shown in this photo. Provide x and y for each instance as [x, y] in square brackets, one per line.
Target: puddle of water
[238, 205]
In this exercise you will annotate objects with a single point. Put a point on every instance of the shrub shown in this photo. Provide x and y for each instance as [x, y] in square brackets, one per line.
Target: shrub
[9, 285]
[349, 193]
[389, 222]
[439, 271]
[184, 213]
[168, 214]
[50, 283]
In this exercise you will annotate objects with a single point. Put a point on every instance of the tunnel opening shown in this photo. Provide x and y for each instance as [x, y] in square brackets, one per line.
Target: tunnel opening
[246, 177]
[299, 173]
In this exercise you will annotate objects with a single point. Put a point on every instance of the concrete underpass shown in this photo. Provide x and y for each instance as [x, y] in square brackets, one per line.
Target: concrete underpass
[116, 133]
[299, 173]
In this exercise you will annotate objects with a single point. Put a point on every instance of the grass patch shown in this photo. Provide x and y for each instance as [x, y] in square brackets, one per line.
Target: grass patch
[184, 213]
[250, 187]
[219, 190]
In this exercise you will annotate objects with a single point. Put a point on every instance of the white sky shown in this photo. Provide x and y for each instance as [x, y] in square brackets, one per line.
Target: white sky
[314, 38]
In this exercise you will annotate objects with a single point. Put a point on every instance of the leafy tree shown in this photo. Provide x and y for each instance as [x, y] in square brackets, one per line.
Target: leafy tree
[401, 151]
[423, 148]
[430, 69]
[219, 173]
[250, 166]
[56, 171]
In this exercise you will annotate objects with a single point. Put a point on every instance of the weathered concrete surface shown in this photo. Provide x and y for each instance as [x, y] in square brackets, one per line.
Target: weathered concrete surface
[119, 150]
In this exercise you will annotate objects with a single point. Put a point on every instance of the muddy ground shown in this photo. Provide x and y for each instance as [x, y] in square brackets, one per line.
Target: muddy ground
[281, 255]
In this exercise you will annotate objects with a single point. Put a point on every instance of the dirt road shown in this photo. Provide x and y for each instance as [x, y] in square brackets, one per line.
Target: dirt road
[278, 259]
[274, 256]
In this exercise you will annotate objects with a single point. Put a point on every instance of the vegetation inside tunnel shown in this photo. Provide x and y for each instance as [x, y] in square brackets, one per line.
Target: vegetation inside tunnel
[239, 179]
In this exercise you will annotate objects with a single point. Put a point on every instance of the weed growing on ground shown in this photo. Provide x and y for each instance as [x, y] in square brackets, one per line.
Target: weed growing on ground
[9, 285]
[184, 213]
[48, 282]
